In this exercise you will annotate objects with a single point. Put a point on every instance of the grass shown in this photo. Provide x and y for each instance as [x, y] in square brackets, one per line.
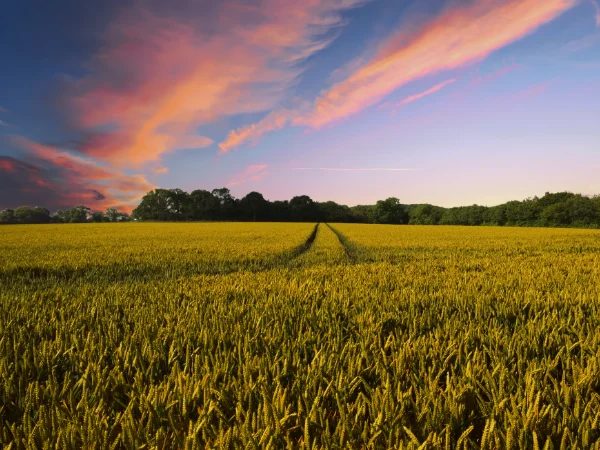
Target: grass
[255, 336]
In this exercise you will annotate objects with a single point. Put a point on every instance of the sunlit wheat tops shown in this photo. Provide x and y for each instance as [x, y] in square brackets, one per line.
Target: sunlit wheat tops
[299, 336]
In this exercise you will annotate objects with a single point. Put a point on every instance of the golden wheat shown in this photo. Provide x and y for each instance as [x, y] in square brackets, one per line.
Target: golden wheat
[377, 337]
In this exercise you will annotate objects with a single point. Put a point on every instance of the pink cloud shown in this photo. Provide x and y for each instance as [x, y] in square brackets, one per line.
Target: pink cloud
[7, 165]
[158, 78]
[415, 97]
[532, 91]
[456, 38]
[83, 180]
[160, 170]
[597, 9]
[250, 173]
[489, 77]
[275, 120]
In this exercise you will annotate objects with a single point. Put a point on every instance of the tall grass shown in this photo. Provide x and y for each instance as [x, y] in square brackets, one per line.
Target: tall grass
[428, 338]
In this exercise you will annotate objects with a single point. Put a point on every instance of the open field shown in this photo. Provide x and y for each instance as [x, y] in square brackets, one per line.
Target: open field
[233, 335]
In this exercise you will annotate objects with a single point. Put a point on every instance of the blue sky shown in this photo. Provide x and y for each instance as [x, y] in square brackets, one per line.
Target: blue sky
[444, 102]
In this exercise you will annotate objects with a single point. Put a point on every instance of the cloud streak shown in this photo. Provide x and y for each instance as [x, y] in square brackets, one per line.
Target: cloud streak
[532, 91]
[415, 97]
[159, 77]
[2, 123]
[489, 77]
[457, 37]
[26, 184]
[251, 173]
[597, 7]
[7, 164]
[276, 120]
[75, 179]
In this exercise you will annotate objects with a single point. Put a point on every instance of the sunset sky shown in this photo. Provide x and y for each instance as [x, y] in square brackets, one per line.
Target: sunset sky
[447, 102]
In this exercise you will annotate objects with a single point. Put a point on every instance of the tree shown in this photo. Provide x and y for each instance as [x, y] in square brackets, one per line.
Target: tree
[303, 209]
[333, 212]
[112, 214]
[525, 213]
[25, 214]
[7, 216]
[551, 199]
[254, 204]
[496, 215]
[202, 205]
[155, 205]
[426, 215]
[556, 215]
[98, 216]
[279, 211]
[360, 213]
[78, 214]
[178, 203]
[227, 203]
[582, 211]
[388, 211]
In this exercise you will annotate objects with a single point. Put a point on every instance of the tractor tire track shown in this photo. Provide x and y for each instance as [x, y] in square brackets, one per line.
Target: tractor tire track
[351, 251]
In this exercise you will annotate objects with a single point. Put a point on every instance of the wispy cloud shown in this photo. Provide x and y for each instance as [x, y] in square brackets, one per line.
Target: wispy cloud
[160, 170]
[82, 180]
[480, 79]
[415, 97]
[2, 123]
[251, 173]
[162, 75]
[7, 165]
[597, 7]
[458, 37]
[532, 91]
[343, 169]
[275, 120]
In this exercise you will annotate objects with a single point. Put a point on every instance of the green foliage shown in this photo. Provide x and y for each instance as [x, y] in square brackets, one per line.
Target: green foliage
[426, 215]
[98, 217]
[388, 211]
[25, 214]
[561, 209]
[78, 214]
[254, 206]
[303, 209]
[290, 336]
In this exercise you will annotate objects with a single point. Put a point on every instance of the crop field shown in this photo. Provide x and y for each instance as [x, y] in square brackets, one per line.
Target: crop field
[301, 336]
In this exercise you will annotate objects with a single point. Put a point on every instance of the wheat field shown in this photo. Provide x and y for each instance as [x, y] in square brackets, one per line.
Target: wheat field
[301, 336]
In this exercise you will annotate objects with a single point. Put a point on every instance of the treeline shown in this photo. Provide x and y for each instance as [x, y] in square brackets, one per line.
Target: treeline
[78, 214]
[563, 209]
[178, 205]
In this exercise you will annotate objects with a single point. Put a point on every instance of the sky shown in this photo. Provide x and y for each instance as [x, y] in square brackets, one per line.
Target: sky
[450, 102]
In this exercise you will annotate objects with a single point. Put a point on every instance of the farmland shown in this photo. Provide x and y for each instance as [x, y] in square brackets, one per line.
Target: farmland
[264, 335]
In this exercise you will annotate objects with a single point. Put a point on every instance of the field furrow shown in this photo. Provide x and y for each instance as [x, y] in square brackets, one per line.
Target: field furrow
[325, 250]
